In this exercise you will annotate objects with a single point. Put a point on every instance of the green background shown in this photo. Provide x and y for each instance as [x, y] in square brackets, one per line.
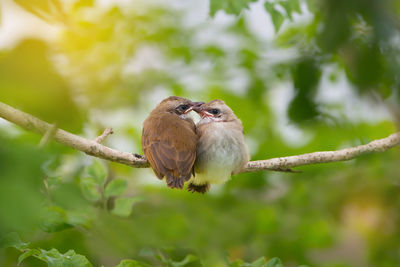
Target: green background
[283, 89]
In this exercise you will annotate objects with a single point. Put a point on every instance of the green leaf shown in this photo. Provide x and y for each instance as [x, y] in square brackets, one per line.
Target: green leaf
[295, 5]
[237, 263]
[54, 220]
[12, 240]
[186, 261]
[115, 187]
[276, 17]
[75, 260]
[132, 263]
[229, 6]
[98, 171]
[26, 254]
[306, 76]
[123, 206]
[55, 259]
[274, 262]
[259, 262]
[80, 218]
[52, 257]
[288, 8]
[90, 189]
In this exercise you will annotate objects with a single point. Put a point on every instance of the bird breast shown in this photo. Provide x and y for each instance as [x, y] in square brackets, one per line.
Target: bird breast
[221, 151]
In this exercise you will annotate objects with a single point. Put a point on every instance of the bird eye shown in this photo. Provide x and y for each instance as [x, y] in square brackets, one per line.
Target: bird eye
[214, 111]
[183, 107]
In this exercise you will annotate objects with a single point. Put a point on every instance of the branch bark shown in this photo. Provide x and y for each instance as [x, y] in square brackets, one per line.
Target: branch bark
[96, 149]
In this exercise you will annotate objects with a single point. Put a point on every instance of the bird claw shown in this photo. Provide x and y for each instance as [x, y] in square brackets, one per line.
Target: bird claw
[198, 188]
[138, 156]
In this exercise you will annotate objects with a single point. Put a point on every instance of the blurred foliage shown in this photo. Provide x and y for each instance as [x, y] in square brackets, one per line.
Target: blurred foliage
[51, 11]
[230, 7]
[53, 258]
[108, 66]
[37, 88]
[278, 17]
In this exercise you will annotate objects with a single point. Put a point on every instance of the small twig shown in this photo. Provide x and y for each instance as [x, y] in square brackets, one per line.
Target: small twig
[48, 135]
[104, 135]
[47, 189]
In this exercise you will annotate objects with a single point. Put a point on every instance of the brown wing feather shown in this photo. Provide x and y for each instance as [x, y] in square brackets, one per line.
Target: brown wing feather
[169, 144]
[185, 163]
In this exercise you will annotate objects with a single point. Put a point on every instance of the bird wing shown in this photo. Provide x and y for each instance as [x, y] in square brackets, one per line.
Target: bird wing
[169, 144]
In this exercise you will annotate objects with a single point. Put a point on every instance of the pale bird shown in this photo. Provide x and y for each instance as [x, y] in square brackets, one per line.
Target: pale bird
[221, 149]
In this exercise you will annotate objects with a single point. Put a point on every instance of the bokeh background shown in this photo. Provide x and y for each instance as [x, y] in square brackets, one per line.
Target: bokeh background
[303, 76]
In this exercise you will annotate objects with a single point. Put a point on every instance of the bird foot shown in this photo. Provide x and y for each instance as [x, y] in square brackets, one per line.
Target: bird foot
[198, 188]
[138, 156]
[175, 182]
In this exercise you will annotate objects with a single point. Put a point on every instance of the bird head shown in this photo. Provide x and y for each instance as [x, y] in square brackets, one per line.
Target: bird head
[215, 110]
[177, 105]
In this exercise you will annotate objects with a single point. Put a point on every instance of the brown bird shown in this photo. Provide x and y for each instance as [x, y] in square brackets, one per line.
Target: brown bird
[169, 140]
[221, 150]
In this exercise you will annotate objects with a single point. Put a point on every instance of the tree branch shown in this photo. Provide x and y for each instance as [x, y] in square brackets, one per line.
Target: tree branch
[379, 145]
[96, 149]
[87, 146]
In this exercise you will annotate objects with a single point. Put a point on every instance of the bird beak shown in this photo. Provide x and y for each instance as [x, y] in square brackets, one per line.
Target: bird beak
[205, 113]
[195, 106]
[202, 112]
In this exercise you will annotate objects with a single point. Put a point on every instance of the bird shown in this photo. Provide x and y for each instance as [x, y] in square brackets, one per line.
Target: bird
[221, 148]
[169, 140]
